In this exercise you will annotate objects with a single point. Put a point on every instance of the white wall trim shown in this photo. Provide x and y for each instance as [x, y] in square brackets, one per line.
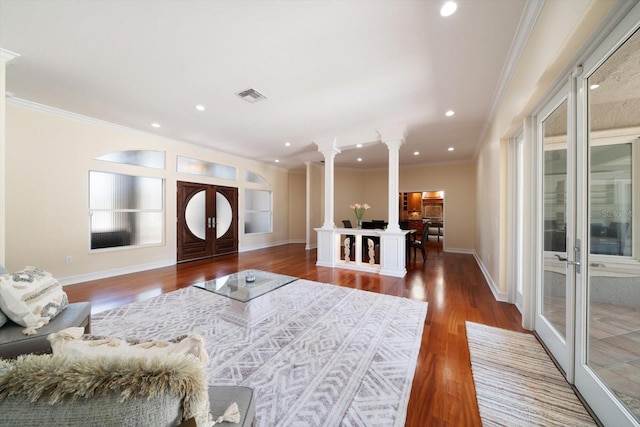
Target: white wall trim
[70, 280]
[97, 122]
[7, 55]
[459, 250]
[525, 27]
[499, 296]
[263, 246]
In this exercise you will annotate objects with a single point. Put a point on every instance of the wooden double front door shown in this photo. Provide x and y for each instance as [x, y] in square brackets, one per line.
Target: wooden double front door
[207, 220]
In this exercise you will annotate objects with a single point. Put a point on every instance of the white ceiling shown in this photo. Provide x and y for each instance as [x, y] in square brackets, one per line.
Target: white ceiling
[330, 69]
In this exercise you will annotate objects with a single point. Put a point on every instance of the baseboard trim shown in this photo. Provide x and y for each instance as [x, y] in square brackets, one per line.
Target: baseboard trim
[71, 280]
[459, 250]
[263, 246]
[499, 296]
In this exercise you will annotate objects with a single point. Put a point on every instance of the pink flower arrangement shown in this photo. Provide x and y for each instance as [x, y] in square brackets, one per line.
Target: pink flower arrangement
[359, 209]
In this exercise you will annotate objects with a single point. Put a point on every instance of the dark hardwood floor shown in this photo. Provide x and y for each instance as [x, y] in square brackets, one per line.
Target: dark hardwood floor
[443, 392]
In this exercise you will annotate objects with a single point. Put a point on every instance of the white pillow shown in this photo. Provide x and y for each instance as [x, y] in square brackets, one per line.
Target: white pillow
[71, 341]
[3, 319]
[31, 298]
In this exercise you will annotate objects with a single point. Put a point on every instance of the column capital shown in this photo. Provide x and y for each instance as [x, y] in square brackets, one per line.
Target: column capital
[390, 134]
[327, 146]
[330, 153]
[7, 55]
[394, 144]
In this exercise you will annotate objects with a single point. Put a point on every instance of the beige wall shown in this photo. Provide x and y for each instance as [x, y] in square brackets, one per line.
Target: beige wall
[349, 188]
[360, 186]
[561, 30]
[3, 75]
[315, 202]
[48, 159]
[458, 182]
[370, 186]
[356, 186]
[376, 192]
[297, 206]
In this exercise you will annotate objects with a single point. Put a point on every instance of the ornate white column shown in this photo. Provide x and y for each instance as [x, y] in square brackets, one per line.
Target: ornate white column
[327, 238]
[329, 183]
[393, 240]
[394, 183]
[5, 57]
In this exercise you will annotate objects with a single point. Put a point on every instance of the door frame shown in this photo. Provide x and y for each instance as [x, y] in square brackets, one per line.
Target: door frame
[560, 347]
[600, 398]
[211, 243]
[516, 219]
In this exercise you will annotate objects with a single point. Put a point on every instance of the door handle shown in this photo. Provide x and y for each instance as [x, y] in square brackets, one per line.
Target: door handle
[213, 222]
[576, 251]
[209, 222]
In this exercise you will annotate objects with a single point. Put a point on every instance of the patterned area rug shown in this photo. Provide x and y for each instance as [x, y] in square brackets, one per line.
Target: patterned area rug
[323, 355]
[516, 382]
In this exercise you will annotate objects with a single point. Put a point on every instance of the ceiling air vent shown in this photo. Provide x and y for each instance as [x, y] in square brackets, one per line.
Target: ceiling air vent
[251, 95]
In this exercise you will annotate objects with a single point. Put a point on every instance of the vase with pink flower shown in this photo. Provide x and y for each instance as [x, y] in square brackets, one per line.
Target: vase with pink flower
[359, 209]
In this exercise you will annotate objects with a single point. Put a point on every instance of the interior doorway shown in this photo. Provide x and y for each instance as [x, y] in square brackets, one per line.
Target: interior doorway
[418, 208]
[207, 221]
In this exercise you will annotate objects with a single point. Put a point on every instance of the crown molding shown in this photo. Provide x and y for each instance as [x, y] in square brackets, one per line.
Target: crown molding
[97, 122]
[7, 55]
[525, 27]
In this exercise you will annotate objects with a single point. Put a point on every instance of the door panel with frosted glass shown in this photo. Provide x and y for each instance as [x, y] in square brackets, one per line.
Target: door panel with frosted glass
[207, 221]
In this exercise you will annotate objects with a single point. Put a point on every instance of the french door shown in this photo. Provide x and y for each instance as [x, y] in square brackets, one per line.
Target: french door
[554, 321]
[588, 210]
[607, 362]
[207, 221]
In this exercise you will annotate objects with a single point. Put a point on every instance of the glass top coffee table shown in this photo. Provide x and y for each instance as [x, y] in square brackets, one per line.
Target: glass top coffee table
[246, 285]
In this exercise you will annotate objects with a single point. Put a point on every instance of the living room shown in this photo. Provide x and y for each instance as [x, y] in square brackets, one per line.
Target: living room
[47, 153]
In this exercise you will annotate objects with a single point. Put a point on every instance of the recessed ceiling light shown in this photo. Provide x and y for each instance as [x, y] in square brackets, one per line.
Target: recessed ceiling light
[449, 113]
[450, 149]
[594, 86]
[416, 153]
[200, 107]
[155, 125]
[449, 8]
[287, 144]
[358, 145]
[277, 160]
[359, 159]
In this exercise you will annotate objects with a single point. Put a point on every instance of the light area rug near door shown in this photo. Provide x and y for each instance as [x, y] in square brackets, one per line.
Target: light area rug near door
[517, 383]
[326, 356]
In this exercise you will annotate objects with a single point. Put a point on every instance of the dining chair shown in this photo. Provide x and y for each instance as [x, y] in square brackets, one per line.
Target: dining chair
[420, 244]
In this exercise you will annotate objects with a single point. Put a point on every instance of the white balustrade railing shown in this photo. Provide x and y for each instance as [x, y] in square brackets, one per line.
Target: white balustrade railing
[375, 251]
[359, 247]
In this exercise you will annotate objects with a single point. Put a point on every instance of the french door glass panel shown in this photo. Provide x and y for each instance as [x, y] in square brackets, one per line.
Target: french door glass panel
[553, 292]
[612, 350]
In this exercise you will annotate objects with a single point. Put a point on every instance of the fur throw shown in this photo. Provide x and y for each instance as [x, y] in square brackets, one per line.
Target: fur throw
[61, 378]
